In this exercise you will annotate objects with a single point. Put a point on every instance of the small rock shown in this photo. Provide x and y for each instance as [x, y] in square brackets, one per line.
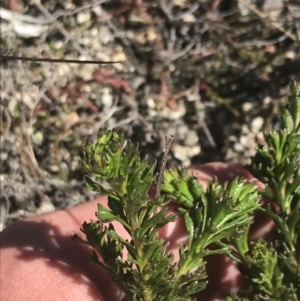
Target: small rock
[94, 32]
[38, 138]
[120, 56]
[98, 11]
[244, 10]
[3, 157]
[180, 3]
[3, 215]
[238, 147]
[274, 8]
[69, 5]
[46, 207]
[184, 153]
[83, 17]
[245, 129]
[244, 140]
[257, 124]
[180, 153]
[189, 18]
[247, 106]
[191, 138]
[151, 35]
[137, 82]
[106, 98]
[63, 69]
[12, 105]
[75, 163]
[267, 100]
[104, 35]
[86, 41]
[54, 168]
[86, 71]
[182, 132]
[173, 115]
[141, 38]
[151, 103]
[58, 44]
[194, 150]
[232, 138]
[290, 55]
[103, 56]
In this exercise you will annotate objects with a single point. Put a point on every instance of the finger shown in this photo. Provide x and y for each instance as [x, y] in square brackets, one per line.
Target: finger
[223, 172]
[39, 261]
[223, 272]
[59, 226]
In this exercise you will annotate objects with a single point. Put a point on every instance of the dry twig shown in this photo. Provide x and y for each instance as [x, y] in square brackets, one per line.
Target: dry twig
[266, 19]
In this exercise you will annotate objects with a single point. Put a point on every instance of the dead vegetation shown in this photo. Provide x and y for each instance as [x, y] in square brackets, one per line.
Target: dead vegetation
[211, 73]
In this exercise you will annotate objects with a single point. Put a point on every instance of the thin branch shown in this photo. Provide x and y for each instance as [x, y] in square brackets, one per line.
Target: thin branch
[9, 15]
[70, 12]
[260, 43]
[8, 121]
[201, 115]
[190, 11]
[265, 19]
[163, 165]
[62, 29]
[184, 51]
[127, 46]
[166, 10]
[31, 59]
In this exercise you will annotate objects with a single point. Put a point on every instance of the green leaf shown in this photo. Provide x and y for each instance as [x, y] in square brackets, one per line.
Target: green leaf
[182, 187]
[217, 220]
[105, 215]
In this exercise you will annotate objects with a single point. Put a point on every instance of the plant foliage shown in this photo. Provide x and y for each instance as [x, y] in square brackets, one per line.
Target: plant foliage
[219, 216]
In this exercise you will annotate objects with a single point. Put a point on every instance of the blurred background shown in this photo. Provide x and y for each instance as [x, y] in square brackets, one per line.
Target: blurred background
[212, 73]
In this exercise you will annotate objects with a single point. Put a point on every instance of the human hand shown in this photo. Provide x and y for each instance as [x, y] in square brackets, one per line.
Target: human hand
[39, 261]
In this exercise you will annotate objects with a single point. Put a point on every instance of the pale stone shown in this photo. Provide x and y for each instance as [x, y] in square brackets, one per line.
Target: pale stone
[257, 124]
[83, 17]
[191, 138]
[151, 35]
[247, 106]
[46, 207]
[151, 103]
[189, 18]
[290, 55]
[238, 147]
[104, 35]
[106, 98]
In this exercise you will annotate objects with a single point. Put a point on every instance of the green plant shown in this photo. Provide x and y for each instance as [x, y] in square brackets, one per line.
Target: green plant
[220, 215]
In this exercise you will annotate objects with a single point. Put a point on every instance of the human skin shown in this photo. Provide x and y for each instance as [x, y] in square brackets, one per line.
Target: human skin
[39, 261]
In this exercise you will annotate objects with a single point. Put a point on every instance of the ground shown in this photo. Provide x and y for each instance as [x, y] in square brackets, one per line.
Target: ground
[211, 73]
